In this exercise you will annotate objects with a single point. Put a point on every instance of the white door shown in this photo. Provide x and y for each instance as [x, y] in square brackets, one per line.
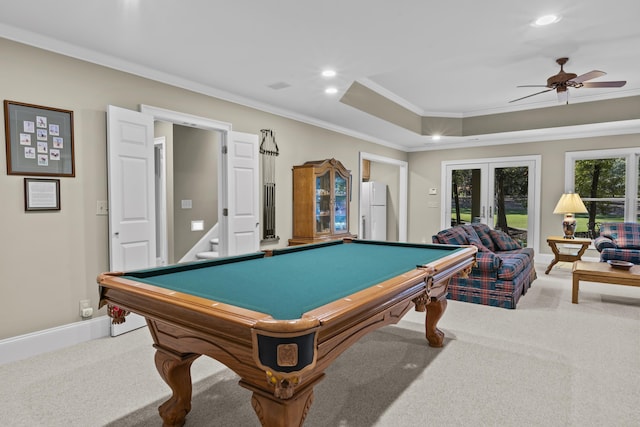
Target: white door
[132, 229]
[240, 181]
[475, 191]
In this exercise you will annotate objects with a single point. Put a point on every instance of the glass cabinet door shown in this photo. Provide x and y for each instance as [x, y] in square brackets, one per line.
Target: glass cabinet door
[341, 204]
[323, 203]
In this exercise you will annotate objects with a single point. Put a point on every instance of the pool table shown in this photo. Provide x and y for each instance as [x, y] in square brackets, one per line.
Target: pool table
[279, 318]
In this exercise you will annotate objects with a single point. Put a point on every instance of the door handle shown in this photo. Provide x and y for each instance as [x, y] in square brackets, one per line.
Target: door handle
[116, 234]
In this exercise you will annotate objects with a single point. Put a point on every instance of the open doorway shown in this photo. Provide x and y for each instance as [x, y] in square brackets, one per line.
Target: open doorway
[394, 174]
[187, 205]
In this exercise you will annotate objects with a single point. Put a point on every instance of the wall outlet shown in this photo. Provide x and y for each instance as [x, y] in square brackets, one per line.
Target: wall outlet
[85, 308]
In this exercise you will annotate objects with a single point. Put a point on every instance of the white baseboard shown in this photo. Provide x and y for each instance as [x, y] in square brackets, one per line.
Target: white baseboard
[35, 343]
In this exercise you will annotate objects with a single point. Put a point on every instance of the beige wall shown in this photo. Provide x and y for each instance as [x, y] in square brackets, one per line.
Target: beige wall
[195, 178]
[50, 260]
[425, 172]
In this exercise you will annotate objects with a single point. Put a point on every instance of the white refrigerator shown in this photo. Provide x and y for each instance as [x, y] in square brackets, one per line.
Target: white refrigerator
[374, 210]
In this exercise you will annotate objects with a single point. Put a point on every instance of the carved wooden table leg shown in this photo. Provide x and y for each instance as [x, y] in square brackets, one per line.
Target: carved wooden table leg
[175, 370]
[435, 310]
[275, 412]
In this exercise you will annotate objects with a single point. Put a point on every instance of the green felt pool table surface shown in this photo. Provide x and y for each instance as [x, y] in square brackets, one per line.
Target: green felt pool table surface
[294, 280]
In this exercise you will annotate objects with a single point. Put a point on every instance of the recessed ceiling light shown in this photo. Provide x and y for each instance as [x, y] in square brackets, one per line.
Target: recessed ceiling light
[435, 138]
[331, 90]
[328, 73]
[546, 20]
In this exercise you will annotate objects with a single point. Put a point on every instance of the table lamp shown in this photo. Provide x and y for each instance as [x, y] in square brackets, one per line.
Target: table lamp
[569, 204]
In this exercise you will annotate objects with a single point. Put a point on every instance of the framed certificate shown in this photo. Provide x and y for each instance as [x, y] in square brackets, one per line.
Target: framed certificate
[41, 194]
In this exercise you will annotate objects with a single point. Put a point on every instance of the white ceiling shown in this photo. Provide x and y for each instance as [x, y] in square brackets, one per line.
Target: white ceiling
[454, 59]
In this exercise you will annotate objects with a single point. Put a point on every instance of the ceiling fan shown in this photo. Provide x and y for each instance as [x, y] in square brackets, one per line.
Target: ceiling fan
[562, 81]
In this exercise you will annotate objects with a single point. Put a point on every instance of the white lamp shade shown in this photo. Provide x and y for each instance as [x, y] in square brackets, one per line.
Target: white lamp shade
[570, 203]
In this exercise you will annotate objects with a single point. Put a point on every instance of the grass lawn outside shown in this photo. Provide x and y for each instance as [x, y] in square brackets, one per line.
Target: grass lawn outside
[519, 220]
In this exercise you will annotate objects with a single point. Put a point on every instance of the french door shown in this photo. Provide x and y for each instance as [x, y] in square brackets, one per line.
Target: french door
[502, 193]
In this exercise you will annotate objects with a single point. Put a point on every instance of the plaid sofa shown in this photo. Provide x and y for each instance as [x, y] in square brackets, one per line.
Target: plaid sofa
[619, 241]
[503, 272]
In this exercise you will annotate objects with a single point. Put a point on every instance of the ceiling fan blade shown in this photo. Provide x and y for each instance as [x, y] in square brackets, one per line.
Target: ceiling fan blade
[529, 96]
[619, 83]
[532, 86]
[588, 76]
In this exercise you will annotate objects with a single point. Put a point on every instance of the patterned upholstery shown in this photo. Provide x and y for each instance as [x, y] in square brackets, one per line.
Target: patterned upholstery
[503, 242]
[619, 241]
[500, 276]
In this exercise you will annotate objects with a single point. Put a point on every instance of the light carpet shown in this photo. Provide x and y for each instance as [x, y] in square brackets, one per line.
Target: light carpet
[547, 363]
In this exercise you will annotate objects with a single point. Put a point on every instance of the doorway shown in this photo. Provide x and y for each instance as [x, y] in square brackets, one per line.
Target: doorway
[397, 171]
[238, 212]
[503, 193]
[192, 165]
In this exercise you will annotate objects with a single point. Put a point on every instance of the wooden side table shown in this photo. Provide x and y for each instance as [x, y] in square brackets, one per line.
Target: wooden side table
[554, 241]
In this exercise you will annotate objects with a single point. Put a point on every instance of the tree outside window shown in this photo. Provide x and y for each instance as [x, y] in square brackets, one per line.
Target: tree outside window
[601, 180]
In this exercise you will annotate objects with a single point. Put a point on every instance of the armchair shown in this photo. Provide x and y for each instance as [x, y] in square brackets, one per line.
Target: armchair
[619, 241]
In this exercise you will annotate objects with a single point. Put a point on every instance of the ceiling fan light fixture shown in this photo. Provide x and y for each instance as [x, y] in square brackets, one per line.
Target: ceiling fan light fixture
[546, 20]
[563, 96]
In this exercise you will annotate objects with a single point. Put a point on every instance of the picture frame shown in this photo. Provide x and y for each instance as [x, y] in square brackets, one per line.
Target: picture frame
[39, 140]
[41, 194]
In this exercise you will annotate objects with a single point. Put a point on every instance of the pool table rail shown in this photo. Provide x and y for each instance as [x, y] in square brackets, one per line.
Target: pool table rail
[155, 301]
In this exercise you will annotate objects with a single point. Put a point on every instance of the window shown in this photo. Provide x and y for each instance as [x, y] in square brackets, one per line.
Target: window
[608, 182]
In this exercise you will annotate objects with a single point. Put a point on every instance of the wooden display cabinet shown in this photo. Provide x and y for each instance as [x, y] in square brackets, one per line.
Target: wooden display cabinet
[321, 196]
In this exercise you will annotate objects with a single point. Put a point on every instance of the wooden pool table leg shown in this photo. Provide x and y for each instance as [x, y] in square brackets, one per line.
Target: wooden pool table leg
[175, 370]
[275, 412]
[435, 310]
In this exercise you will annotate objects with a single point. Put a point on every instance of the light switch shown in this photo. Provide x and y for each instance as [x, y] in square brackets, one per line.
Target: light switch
[433, 191]
[102, 207]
